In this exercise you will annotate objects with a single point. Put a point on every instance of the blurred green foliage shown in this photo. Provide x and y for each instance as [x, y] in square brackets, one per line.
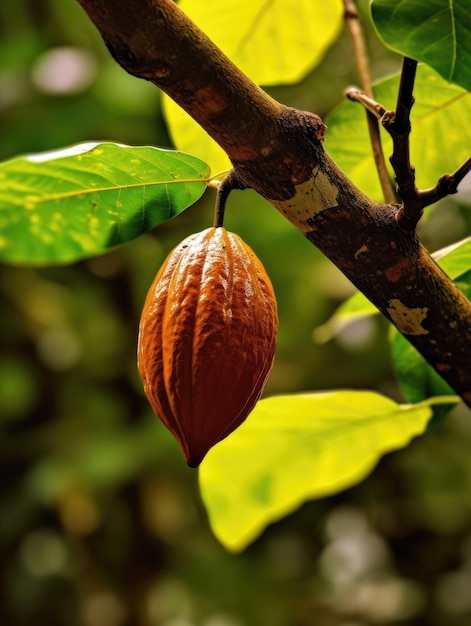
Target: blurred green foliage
[101, 522]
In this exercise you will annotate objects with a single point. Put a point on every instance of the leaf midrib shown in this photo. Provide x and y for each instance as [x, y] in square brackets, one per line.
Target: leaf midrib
[88, 191]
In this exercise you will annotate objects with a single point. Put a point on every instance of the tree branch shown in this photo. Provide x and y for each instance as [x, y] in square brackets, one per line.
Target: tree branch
[228, 184]
[397, 123]
[278, 151]
[447, 185]
[361, 59]
[398, 126]
[155, 40]
[375, 108]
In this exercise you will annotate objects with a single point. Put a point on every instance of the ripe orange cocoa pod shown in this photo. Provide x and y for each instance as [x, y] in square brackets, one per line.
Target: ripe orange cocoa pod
[207, 339]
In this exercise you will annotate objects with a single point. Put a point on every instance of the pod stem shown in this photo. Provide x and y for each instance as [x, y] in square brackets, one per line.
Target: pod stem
[230, 182]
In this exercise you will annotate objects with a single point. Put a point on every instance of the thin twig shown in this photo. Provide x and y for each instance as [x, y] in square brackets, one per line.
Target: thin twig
[405, 96]
[228, 184]
[358, 42]
[398, 126]
[446, 185]
[377, 109]
[460, 173]
[361, 60]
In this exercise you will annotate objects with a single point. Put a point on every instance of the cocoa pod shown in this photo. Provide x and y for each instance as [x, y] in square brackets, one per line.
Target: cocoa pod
[207, 339]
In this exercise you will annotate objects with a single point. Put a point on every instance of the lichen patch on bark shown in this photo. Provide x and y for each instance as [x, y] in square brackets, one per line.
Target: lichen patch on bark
[409, 321]
[316, 194]
[363, 250]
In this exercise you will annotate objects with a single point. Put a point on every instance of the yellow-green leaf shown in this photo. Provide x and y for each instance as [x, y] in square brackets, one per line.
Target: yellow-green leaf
[295, 448]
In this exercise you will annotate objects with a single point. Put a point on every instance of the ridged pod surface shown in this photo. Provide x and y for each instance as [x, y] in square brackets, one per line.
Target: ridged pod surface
[207, 339]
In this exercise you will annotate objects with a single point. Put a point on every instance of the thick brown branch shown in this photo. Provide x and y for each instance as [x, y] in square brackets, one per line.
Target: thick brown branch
[155, 40]
[278, 151]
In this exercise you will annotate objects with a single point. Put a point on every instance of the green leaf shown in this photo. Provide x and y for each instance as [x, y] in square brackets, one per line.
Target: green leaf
[440, 139]
[418, 380]
[273, 42]
[295, 448]
[66, 205]
[437, 32]
[455, 260]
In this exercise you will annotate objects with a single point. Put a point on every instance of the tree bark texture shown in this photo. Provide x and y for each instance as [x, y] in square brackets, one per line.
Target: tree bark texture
[278, 151]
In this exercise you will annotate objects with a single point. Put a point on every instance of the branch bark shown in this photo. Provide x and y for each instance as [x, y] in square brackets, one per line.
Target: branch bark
[278, 151]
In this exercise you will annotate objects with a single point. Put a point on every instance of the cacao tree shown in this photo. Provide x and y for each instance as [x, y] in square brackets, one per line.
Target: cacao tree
[328, 177]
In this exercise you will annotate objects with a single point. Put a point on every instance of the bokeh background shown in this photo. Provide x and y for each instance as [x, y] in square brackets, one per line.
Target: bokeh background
[101, 523]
